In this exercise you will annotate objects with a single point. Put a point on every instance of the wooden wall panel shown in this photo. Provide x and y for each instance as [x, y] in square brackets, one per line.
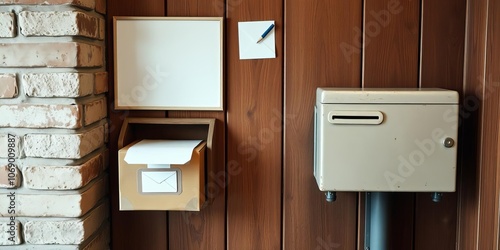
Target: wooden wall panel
[442, 44]
[475, 55]
[441, 65]
[205, 229]
[391, 41]
[196, 8]
[267, 197]
[130, 230]
[490, 154]
[254, 133]
[391, 59]
[322, 49]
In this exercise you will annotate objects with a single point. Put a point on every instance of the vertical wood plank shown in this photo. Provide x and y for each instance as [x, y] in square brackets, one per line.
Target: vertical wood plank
[442, 47]
[254, 139]
[489, 169]
[203, 8]
[391, 59]
[205, 229]
[471, 115]
[149, 228]
[401, 223]
[441, 65]
[391, 40]
[322, 49]
[435, 220]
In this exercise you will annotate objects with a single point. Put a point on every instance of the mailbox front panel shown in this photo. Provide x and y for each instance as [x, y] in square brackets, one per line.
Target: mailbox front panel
[386, 147]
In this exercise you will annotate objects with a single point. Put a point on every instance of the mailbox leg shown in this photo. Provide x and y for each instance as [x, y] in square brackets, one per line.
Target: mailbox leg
[376, 214]
[330, 196]
[436, 197]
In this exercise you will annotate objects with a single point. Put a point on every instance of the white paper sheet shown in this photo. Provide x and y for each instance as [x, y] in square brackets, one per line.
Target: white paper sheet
[249, 33]
[161, 152]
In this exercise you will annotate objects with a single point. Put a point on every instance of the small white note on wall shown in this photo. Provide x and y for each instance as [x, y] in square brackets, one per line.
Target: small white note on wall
[250, 33]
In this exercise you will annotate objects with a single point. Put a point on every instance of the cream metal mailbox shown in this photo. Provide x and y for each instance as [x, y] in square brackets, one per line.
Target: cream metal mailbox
[379, 140]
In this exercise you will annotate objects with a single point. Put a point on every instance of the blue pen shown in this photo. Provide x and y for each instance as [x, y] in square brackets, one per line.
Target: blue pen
[265, 33]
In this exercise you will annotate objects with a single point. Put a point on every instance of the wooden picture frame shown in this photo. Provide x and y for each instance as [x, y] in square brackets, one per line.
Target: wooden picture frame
[168, 63]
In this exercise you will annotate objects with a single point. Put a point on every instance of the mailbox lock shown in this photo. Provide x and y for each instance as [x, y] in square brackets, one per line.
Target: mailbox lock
[449, 142]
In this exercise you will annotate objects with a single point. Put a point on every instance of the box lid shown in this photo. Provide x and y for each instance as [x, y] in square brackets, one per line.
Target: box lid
[390, 96]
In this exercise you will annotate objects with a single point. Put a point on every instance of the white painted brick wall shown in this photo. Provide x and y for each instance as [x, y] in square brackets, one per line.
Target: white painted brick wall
[98, 241]
[63, 177]
[40, 116]
[58, 84]
[7, 24]
[10, 232]
[55, 203]
[58, 23]
[52, 98]
[8, 86]
[58, 54]
[65, 146]
[86, 4]
[72, 231]
[10, 177]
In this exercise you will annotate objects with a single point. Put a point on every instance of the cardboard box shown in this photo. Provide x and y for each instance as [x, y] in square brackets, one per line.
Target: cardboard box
[160, 183]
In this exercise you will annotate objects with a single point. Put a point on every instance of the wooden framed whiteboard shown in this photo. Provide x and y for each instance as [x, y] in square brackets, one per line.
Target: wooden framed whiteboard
[168, 63]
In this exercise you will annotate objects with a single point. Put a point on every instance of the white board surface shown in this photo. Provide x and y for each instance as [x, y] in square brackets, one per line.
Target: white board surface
[168, 63]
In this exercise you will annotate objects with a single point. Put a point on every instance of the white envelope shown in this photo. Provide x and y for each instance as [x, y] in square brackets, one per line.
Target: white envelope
[249, 33]
[158, 181]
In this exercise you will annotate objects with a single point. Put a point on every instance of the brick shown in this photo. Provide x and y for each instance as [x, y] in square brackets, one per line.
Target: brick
[65, 146]
[102, 29]
[10, 177]
[70, 204]
[73, 231]
[7, 24]
[100, 6]
[58, 23]
[5, 140]
[57, 55]
[41, 116]
[106, 132]
[58, 84]
[10, 232]
[86, 4]
[63, 177]
[101, 83]
[99, 241]
[95, 111]
[8, 86]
